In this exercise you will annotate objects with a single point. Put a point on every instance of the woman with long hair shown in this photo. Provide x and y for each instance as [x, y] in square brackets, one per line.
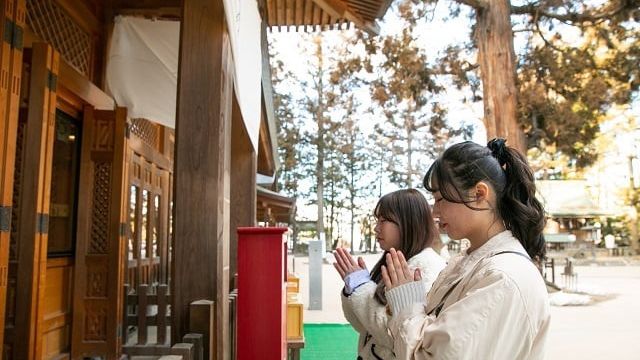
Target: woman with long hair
[404, 222]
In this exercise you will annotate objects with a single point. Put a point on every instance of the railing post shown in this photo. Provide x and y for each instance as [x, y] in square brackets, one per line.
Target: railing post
[183, 349]
[196, 340]
[201, 321]
[142, 313]
[161, 323]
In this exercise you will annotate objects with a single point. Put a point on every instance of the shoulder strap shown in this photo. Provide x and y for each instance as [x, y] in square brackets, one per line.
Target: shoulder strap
[512, 252]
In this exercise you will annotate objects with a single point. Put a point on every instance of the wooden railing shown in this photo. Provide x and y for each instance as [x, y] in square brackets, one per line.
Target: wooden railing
[144, 271]
[144, 310]
[146, 323]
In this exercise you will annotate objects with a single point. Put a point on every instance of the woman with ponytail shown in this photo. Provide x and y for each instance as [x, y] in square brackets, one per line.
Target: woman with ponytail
[490, 302]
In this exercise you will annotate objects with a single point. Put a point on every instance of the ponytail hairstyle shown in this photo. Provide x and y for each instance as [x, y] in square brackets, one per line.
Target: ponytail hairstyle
[410, 211]
[465, 164]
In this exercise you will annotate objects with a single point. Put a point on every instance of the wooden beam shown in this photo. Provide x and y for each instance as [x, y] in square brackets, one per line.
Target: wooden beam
[340, 10]
[243, 184]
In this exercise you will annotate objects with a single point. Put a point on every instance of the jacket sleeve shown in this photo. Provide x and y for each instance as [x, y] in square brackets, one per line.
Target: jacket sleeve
[472, 327]
[369, 314]
[349, 305]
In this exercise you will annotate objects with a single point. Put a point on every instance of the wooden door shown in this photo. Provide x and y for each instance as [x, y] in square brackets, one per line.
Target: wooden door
[98, 277]
[58, 310]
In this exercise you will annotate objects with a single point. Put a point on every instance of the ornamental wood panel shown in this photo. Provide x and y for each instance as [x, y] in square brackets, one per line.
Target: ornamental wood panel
[56, 324]
[97, 299]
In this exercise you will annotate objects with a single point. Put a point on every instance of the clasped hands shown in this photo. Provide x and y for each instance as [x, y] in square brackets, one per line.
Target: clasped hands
[397, 271]
[394, 274]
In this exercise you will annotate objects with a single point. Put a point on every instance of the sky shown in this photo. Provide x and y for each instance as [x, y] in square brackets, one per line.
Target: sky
[437, 35]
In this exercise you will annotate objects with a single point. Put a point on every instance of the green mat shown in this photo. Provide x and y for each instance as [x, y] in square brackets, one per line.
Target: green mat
[329, 342]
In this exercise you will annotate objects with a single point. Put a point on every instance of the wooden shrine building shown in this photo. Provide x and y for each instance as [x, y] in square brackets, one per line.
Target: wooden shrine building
[106, 185]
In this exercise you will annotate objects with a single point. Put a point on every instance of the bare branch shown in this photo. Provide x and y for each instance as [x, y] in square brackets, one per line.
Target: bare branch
[589, 15]
[476, 4]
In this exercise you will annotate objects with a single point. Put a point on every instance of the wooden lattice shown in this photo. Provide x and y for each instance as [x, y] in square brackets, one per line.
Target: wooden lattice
[17, 177]
[53, 25]
[147, 131]
[100, 211]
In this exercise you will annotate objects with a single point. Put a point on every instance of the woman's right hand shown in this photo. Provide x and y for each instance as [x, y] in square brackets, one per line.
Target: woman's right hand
[346, 264]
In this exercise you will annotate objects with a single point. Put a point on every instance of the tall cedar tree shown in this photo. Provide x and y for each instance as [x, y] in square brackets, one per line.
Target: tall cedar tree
[580, 58]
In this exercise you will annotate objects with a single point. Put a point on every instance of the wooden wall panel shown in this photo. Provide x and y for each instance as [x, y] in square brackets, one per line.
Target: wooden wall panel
[56, 323]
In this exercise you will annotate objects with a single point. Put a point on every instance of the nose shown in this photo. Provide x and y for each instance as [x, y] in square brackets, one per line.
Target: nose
[435, 210]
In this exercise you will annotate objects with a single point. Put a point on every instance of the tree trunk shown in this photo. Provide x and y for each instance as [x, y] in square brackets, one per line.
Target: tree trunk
[494, 38]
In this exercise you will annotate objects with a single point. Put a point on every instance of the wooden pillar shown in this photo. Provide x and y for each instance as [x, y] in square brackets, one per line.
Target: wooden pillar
[243, 184]
[201, 177]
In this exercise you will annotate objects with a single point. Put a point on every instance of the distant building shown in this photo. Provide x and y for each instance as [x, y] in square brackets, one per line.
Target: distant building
[572, 215]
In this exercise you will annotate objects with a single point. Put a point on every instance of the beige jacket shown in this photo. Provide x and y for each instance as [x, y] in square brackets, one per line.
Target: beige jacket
[369, 318]
[497, 309]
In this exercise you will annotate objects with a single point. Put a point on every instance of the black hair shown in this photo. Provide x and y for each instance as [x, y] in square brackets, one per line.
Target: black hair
[410, 211]
[465, 164]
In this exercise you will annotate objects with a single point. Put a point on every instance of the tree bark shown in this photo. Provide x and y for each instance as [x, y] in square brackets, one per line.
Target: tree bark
[496, 55]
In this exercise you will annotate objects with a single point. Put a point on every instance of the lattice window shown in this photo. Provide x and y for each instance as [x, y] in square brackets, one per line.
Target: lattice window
[147, 131]
[17, 177]
[54, 26]
[100, 211]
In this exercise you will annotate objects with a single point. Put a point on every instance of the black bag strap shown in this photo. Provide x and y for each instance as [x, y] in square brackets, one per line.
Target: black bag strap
[512, 252]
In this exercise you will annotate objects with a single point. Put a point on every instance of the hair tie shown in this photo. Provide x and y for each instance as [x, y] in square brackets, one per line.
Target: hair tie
[498, 150]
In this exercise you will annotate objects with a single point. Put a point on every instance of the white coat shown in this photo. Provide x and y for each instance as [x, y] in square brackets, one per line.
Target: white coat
[370, 318]
[497, 309]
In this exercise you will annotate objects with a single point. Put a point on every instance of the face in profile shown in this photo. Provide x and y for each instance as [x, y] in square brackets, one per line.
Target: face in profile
[387, 234]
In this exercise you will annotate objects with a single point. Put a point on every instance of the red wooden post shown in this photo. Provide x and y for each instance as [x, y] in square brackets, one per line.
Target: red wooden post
[262, 301]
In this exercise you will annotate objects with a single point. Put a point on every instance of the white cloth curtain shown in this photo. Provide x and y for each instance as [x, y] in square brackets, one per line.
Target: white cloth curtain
[142, 65]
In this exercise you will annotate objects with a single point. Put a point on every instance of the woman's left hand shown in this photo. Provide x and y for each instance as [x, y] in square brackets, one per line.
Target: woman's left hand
[397, 271]
[346, 264]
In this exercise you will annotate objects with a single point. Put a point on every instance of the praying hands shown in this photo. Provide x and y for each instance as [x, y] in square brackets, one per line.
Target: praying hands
[397, 272]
